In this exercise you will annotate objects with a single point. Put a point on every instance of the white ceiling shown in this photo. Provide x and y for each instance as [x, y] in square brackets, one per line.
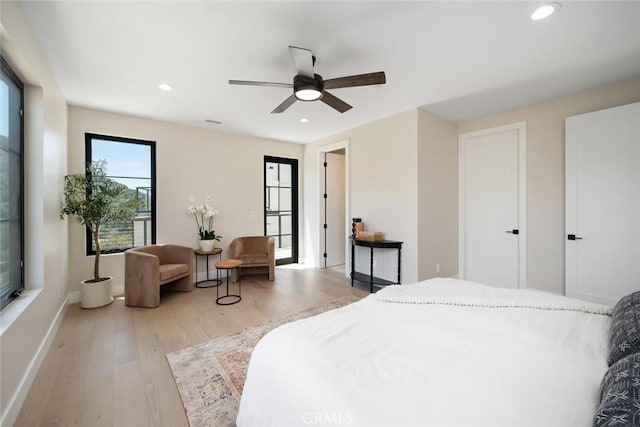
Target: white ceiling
[458, 59]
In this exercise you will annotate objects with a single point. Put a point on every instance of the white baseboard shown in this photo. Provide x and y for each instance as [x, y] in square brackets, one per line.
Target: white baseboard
[13, 408]
[117, 290]
[74, 297]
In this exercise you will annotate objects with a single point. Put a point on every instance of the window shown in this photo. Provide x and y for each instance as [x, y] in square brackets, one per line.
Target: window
[281, 206]
[130, 162]
[11, 184]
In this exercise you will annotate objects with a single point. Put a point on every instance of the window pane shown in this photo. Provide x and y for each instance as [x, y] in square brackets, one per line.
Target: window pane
[116, 236]
[123, 159]
[142, 187]
[141, 230]
[273, 228]
[272, 175]
[272, 203]
[4, 114]
[285, 199]
[285, 242]
[5, 253]
[128, 162]
[10, 184]
[14, 184]
[285, 224]
[5, 178]
[285, 175]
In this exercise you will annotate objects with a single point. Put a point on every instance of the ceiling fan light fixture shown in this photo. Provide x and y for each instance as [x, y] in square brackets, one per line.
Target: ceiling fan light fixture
[307, 88]
[544, 11]
[308, 94]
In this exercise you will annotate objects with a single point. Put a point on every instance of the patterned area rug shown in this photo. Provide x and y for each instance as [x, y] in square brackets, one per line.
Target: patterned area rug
[210, 376]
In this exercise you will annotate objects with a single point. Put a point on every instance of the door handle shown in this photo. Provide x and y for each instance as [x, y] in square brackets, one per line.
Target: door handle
[573, 237]
[514, 231]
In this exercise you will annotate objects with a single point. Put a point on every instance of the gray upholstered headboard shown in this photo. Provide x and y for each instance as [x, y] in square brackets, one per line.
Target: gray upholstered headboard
[620, 387]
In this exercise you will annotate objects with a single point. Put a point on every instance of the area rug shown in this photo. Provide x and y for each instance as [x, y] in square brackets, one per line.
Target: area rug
[210, 376]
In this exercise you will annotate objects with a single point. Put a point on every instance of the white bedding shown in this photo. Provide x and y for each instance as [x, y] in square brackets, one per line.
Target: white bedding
[377, 363]
[459, 292]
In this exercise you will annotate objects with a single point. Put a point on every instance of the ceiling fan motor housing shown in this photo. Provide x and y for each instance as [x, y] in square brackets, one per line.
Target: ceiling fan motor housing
[306, 83]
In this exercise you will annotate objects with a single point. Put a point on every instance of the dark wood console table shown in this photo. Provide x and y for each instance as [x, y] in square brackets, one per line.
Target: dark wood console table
[370, 278]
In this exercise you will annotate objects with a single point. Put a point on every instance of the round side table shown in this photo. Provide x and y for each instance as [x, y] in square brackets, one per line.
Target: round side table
[199, 253]
[228, 299]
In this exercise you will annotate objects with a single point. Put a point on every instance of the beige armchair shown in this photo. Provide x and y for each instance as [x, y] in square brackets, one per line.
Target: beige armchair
[257, 254]
[149, 267]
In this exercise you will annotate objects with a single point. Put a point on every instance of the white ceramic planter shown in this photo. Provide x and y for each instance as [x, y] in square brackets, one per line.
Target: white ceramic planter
[207, 245]
[96, 294]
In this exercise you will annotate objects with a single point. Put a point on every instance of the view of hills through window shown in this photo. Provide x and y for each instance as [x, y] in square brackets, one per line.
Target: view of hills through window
[128, 162]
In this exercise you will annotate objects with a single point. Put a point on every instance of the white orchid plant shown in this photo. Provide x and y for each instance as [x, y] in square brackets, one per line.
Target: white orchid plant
[204, 216]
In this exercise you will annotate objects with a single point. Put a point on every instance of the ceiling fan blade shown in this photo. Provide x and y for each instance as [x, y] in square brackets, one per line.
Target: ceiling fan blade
[303, 60]
[335, 102]
[252, 83]
[285, 104]
[377, 78]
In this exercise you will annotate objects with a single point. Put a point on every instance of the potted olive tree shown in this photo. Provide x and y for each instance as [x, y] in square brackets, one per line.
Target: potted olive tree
[95, 199]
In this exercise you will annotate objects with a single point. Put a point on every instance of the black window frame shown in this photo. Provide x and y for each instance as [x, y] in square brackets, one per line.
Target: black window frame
[89, 137]
[15, 289]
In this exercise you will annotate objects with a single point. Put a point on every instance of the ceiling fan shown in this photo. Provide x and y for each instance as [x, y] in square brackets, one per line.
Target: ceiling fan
[308, 86]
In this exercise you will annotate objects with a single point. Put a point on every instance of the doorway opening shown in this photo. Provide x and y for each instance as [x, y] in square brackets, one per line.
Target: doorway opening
[334, 206]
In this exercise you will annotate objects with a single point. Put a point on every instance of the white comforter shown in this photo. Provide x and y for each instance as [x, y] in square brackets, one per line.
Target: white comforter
[378, 363]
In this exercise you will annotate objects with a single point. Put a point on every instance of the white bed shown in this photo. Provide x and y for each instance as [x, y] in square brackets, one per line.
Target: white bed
[380, 363]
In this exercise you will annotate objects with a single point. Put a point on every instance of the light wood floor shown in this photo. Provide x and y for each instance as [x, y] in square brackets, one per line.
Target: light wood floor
[107, 366]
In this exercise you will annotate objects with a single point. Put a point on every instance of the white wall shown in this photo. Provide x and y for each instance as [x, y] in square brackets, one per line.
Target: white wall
[402, 181]
[189, 161]
[437, 196]
[29, 323]
[545, 173]
[383, 187]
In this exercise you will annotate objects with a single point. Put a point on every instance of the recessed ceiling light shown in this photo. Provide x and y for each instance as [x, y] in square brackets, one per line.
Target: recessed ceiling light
[165, 87]
[544, 11]
[304, 120]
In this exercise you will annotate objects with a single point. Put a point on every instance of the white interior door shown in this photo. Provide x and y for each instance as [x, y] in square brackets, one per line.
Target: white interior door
[335, 206]
[603, 204]
[492, 222]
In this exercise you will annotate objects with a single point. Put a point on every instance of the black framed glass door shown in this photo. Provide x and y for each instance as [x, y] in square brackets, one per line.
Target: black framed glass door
[281, 206]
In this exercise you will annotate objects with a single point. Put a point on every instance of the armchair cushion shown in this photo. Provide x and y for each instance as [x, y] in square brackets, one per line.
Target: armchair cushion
[254, 258]
[169, 272]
